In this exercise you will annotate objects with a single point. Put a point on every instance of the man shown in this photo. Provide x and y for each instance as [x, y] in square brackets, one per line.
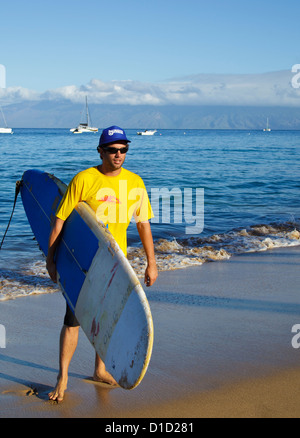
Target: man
[115, 194]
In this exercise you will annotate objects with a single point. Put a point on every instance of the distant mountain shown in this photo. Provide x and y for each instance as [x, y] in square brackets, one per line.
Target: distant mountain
[219, 101]
[65, 114]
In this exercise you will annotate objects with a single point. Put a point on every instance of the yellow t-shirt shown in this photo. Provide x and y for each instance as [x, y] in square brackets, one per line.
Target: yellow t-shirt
[114, 199]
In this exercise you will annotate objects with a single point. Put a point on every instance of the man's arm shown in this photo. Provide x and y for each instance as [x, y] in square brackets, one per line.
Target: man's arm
[145, 233]
[53, 242]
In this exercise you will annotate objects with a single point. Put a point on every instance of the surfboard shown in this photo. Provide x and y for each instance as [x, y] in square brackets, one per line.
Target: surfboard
[96, 279]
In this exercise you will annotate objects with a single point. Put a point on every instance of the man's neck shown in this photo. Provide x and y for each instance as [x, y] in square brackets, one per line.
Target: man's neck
[109, 172]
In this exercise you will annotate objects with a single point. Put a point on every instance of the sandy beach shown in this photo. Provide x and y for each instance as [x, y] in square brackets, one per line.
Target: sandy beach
[222, 348]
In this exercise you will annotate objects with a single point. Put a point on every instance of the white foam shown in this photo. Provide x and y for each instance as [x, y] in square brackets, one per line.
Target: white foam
[32, 280]
[176, 254]
[170, 254]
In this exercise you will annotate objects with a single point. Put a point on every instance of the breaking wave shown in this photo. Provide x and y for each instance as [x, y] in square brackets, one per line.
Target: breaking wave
[181, 253]
[33, 280]
[170, 255]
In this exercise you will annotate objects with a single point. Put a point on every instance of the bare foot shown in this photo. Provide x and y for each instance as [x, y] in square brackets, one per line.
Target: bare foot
[58, 392]
[100, 373]
[105, 377]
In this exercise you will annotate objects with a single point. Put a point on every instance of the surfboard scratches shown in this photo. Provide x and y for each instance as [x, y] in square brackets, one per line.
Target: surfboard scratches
[113, 271]
[94, 329]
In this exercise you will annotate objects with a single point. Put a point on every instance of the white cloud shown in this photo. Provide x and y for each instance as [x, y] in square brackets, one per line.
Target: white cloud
[273, 89]
[17, 94]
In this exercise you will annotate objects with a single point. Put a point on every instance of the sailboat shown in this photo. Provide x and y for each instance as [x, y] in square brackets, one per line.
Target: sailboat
[267, 129]
[5, 130]
[147, 132]
[84, 127]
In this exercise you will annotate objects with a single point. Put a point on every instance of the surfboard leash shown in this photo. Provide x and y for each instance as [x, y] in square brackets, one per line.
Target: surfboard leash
[17, 191]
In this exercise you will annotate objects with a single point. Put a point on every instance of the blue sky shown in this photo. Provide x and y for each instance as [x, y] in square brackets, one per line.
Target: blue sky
[46, 45]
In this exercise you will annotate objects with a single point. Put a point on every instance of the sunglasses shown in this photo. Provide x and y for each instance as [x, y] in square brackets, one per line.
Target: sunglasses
[112, 150]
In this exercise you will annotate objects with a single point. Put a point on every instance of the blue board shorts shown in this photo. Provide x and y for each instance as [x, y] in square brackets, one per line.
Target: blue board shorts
[70, 319]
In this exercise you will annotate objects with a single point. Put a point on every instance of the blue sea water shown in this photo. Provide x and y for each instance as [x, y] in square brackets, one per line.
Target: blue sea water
[251, 194]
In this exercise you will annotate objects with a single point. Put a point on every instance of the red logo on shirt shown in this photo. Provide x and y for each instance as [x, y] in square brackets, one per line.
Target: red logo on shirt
[110, 198]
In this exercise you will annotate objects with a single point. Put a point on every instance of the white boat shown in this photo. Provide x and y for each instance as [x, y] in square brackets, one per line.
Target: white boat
[147, 132]
[5, 130]
[267, 129]
[84, 126]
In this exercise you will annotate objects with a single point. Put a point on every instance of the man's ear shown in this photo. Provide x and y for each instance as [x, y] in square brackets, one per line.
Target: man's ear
[100, 150]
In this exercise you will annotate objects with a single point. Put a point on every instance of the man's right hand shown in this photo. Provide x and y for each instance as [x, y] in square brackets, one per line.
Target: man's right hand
[53, 242]
[51, 268]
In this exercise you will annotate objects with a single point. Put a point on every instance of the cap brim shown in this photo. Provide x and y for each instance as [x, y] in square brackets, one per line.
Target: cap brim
[113, 142]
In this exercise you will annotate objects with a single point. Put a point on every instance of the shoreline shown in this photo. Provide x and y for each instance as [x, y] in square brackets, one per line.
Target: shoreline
[222, 347]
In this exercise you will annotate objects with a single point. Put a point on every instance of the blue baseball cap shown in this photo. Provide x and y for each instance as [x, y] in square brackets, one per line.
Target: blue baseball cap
[113, 134]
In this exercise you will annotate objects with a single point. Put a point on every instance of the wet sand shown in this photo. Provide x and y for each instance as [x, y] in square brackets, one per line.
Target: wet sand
[222, 348]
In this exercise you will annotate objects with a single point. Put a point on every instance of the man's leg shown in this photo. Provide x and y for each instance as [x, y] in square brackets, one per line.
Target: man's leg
[68, 344]
[100, 373]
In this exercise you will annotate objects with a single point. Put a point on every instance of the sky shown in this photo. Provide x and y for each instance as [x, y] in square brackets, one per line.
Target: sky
[50, 45]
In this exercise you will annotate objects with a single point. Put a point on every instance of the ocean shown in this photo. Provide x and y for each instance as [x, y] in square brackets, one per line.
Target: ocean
[215, 193]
